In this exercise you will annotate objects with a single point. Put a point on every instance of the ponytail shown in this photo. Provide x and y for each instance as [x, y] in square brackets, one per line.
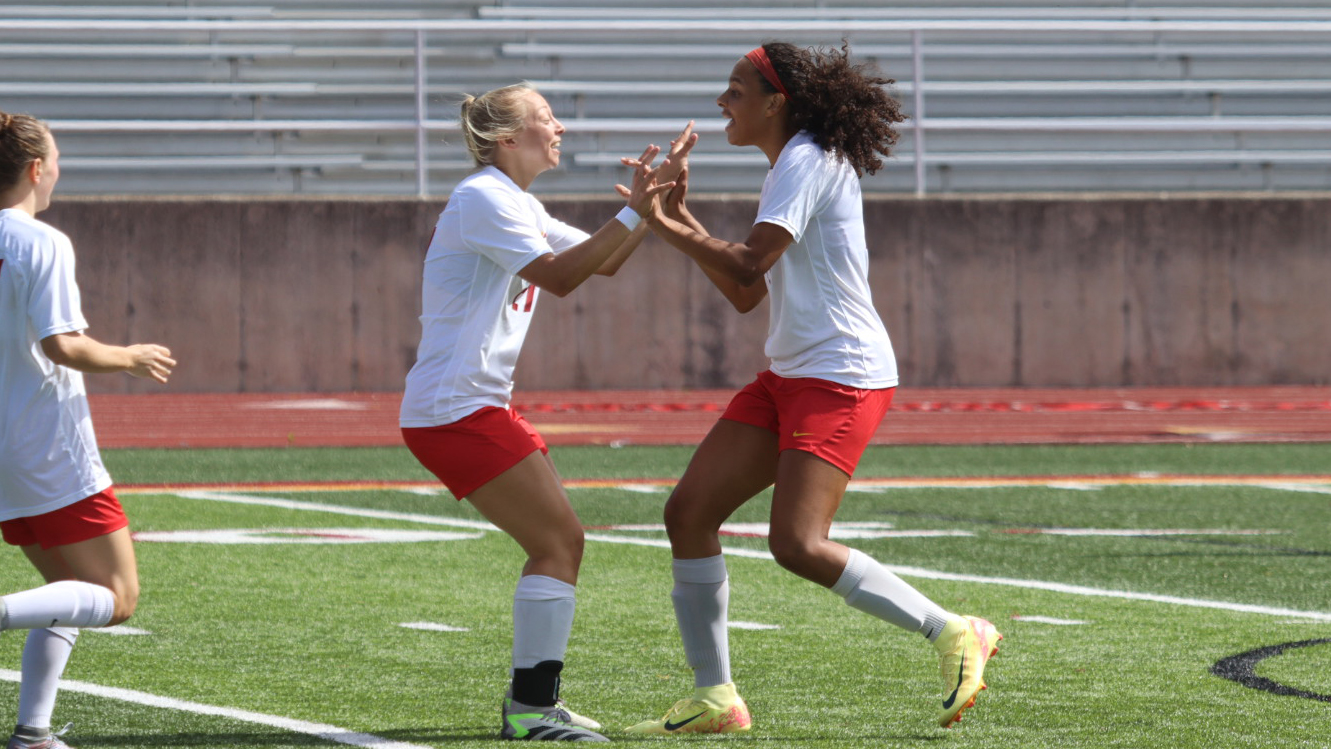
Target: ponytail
[23, 140]
[492, 117]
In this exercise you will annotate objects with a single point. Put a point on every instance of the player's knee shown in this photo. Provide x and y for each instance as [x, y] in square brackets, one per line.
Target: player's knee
[683, 516]
[562, 550]
[127, 600]
[577, 542]
[793, 553]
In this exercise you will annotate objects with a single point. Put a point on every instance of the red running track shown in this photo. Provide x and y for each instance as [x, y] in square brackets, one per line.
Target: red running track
[918, 416]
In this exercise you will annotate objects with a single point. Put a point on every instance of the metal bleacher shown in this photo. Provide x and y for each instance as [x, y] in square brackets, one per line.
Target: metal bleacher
[348, 98]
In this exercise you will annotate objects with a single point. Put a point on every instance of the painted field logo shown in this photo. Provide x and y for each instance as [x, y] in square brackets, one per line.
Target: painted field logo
[302, 536]
[1242, 668]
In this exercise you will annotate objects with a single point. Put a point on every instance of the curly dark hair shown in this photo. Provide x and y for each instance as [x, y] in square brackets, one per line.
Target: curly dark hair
[843, 106]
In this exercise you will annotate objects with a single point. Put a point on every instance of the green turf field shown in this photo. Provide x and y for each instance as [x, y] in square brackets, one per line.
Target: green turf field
[1112, 645]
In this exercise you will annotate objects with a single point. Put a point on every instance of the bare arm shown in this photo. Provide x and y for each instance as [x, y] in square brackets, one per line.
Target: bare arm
[735, 269]
[84, 353]
[561, 272]
[617, 258]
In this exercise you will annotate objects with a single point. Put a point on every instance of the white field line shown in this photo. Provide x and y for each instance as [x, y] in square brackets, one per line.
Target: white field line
[432, 627]
[1077, 590]
[291, 504]
[119, 630]
[1054, 621]
[1147, 532]
[322, 730]
[1080, 590]
[302, 536]
[1310, 489]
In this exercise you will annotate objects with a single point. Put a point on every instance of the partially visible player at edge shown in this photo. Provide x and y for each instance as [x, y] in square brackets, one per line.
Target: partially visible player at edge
[493, 250]
[56, 501]
[803, 424]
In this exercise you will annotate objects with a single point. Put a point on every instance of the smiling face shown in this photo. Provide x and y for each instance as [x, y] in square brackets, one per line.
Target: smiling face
[747, 104]
[537, 146]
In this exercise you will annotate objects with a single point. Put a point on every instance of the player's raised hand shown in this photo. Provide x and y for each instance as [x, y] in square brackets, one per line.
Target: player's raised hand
[677, 158]
[642, 195]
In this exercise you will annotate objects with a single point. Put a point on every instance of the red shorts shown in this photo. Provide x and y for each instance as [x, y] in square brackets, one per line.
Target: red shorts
[86, 519]
[832, 421]
[468, 454]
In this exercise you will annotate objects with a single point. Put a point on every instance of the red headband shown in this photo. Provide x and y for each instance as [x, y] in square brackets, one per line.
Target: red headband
[760, 61]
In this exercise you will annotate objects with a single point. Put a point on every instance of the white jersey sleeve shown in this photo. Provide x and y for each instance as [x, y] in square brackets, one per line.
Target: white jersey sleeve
[560, 235]
[54, 305]
[794, 191]
[501, 227]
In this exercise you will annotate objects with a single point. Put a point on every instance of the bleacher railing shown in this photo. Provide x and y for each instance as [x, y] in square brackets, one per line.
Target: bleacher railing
[718, 28]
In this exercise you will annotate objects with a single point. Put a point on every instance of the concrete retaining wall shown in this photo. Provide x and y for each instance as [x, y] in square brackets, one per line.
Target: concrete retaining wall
[287, 295]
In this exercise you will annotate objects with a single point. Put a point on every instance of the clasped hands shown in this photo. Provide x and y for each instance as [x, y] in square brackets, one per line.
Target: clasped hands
[671, 178]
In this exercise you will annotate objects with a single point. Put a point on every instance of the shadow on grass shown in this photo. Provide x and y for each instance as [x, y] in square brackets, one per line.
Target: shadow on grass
[272, 739]
[787, 738]
[280, 739]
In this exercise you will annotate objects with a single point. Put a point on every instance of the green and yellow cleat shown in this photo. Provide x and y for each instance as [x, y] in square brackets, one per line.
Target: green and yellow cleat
[965, 645]
[717, 709]
[528, 723]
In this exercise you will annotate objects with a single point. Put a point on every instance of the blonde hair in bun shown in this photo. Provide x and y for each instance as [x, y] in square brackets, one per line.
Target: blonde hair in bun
[23, 140]
[492, 117]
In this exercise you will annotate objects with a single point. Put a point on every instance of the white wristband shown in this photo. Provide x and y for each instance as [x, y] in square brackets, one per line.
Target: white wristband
[628, 217]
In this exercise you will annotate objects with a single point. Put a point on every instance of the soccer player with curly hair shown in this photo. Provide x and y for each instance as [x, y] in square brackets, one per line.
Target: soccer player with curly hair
[802, 425]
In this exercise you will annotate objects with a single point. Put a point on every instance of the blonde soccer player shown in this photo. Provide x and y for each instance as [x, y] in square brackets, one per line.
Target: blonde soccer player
[494, 251]
[803, 424]
[56, 500]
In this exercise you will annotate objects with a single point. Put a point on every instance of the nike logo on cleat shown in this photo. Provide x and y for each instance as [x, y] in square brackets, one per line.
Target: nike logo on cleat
[947, 703]
[676, 726]
[801, 434]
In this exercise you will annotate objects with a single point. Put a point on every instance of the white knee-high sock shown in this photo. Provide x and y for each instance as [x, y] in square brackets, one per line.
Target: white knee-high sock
[542, 620]
[702, 601]
[67, 603]
[871, 588]
[44, 657]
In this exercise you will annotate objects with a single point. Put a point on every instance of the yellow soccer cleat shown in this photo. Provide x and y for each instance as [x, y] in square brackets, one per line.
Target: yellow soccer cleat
[717, 709]
[964, 646]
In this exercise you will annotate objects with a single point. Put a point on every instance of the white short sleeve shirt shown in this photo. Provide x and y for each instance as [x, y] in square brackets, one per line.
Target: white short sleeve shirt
[475, 309]
[48, 452]
[823, 323]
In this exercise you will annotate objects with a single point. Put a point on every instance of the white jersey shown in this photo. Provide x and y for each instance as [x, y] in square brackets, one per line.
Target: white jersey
[475, 309]
[823, 321]
[48, 453]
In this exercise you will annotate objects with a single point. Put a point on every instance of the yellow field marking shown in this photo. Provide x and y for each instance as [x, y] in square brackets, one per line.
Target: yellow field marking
[589, 428]
[906, 482]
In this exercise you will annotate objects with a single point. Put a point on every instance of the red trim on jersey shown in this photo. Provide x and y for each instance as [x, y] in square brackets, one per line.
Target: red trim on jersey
[530, 293]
